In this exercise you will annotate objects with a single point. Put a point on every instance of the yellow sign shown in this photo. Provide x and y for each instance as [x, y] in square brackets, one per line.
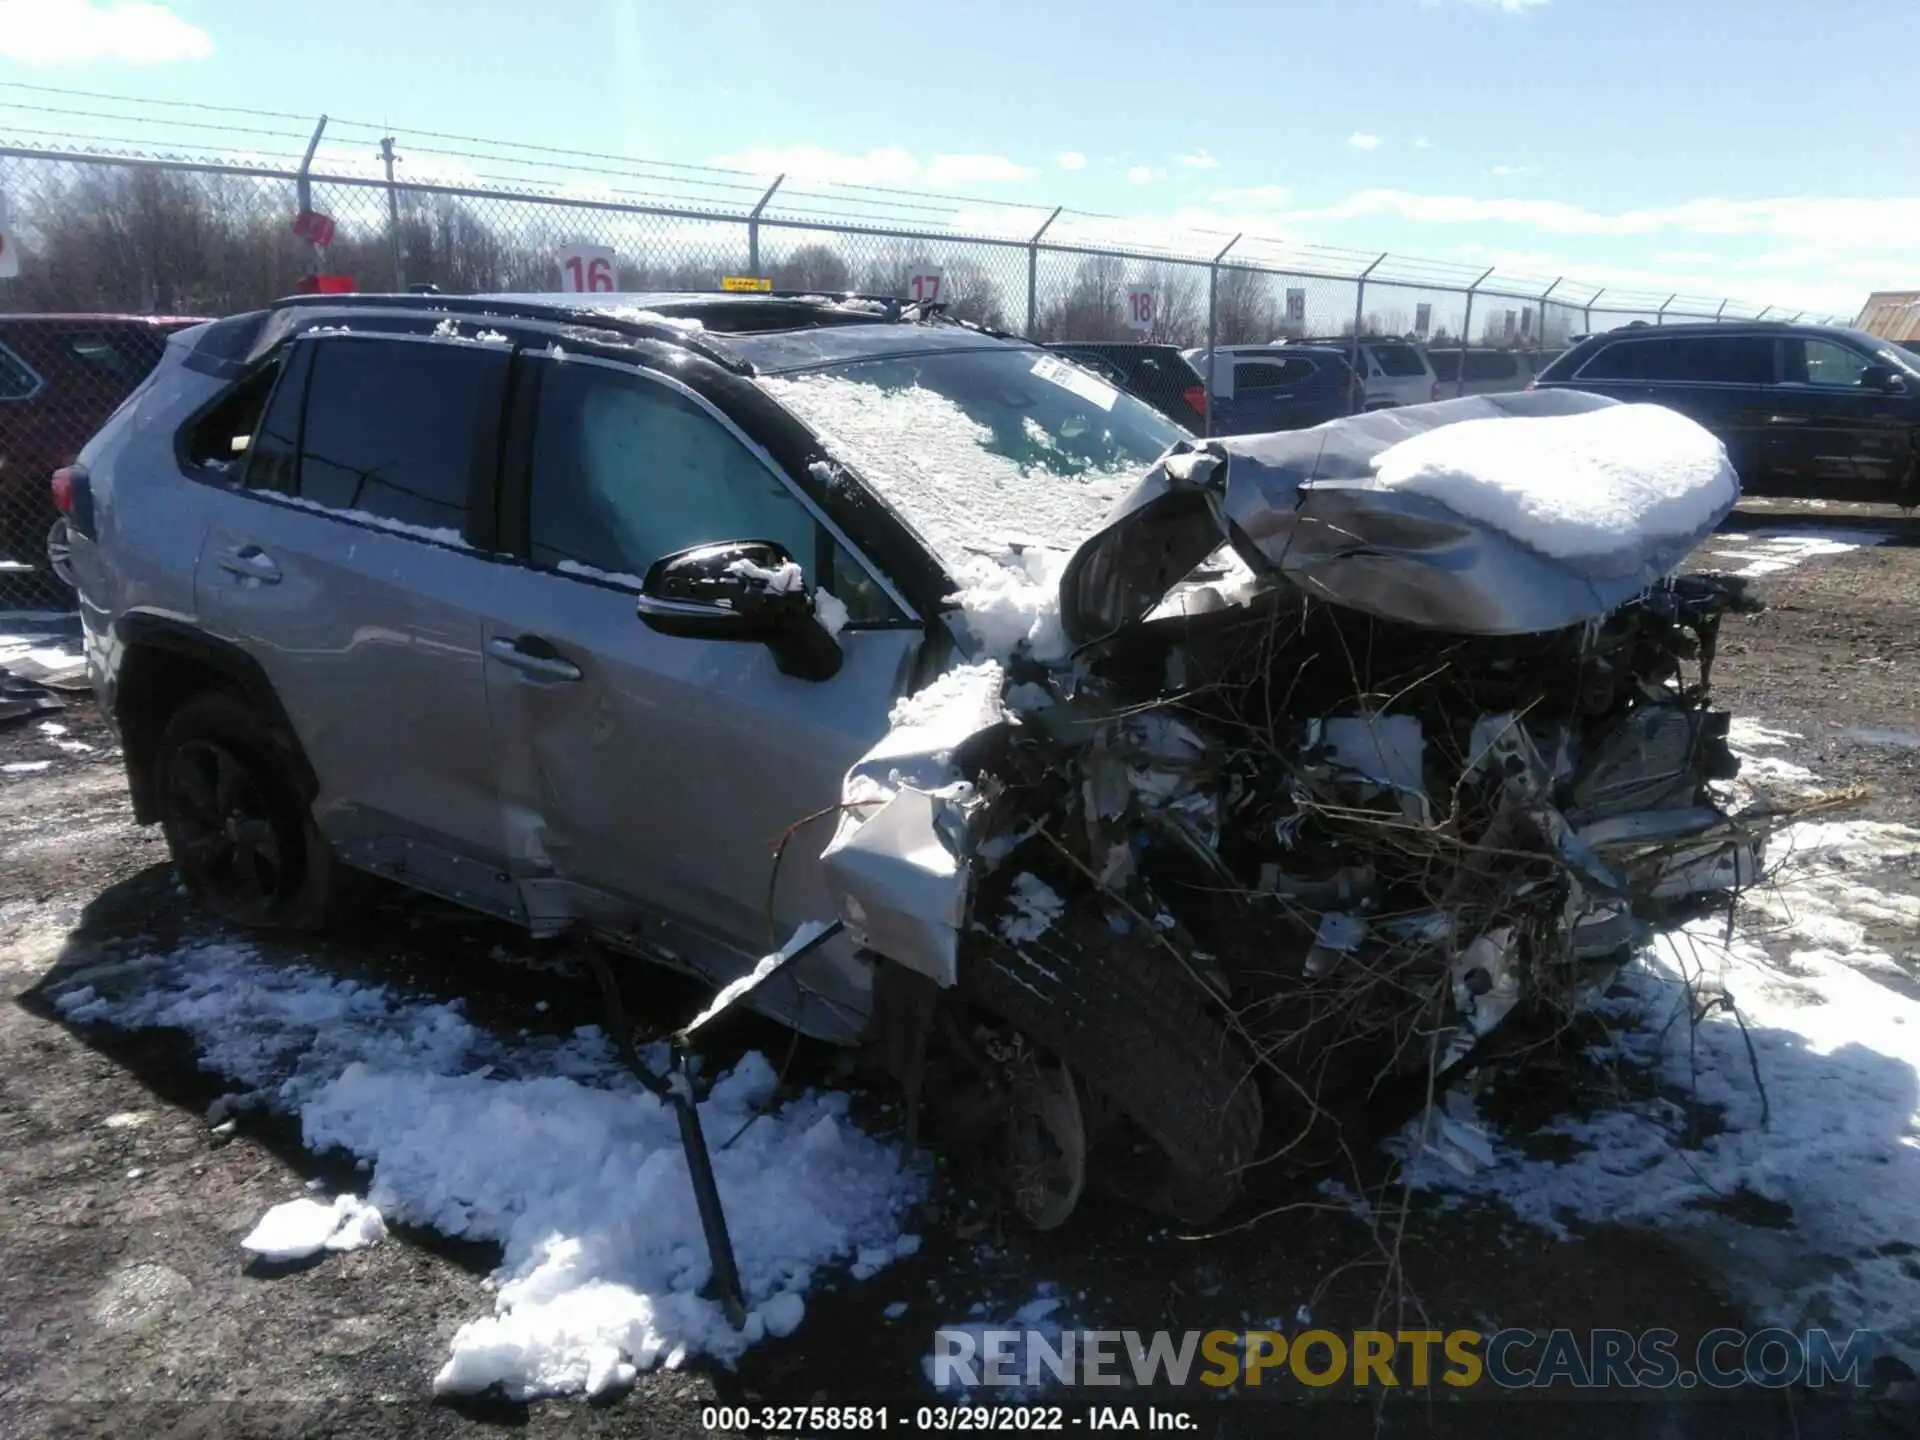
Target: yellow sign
[745, 282]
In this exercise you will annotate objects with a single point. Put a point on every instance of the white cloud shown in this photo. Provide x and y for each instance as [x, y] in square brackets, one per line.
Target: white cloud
[1251, 195]
[1511, 170]
[1144, 175]
[1686, 257]
[1420, 142]
[889, 165]
[1511, 7]
[1360, 140]
[1199, 160]
[74, 32]
[1070, 160]
[976, 170]
[1854, 224]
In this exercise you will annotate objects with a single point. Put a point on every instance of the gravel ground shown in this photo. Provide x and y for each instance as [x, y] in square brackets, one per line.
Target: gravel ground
[125, 1305]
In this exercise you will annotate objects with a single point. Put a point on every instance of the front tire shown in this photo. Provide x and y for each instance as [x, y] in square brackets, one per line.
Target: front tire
[241, 836]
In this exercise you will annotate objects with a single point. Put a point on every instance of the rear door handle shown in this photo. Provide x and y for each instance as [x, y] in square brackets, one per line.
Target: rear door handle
[1786, 419]
[250, 562]
[533, 656]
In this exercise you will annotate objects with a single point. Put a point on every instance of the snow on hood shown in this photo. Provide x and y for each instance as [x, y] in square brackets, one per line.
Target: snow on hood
[1491, 515]
[1591, 483]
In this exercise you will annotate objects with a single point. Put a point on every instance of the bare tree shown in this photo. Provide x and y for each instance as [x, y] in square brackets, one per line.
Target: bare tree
[1245, 312]
[813, 267]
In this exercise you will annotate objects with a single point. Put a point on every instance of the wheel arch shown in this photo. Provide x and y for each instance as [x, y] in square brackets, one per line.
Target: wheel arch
[165, 662]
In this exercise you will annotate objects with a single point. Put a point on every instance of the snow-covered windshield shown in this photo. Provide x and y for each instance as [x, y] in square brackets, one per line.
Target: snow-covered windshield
[979, 448]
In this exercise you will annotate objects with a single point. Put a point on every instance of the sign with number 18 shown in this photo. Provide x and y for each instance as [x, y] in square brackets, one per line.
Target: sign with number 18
[1140, 306]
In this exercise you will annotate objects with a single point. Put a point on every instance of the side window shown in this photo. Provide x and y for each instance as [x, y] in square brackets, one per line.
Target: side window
[1271, 375]
[1446, 364]
[627, 470]
[1830, 364]
[1491, 365]
[17, 380]
[391, 428]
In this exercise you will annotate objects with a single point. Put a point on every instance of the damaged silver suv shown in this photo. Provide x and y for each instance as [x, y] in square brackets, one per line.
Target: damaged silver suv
[1146, 799]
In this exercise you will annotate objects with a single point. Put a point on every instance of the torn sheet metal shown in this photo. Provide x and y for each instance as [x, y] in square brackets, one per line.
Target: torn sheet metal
[1307, 505]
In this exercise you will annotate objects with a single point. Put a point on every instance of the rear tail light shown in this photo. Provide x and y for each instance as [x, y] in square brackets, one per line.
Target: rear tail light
[73, 497]
[65, 482]
[1196, 396]
[1436, 391]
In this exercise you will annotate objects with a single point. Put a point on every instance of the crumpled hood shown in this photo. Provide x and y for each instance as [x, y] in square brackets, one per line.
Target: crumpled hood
[1443, 535]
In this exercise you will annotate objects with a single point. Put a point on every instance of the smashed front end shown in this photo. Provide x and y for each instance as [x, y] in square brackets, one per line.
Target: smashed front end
[1376, 753]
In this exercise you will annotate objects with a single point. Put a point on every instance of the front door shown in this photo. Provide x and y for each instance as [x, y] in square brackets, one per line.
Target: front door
[342, 565]
[1835, 438]
[651, 779]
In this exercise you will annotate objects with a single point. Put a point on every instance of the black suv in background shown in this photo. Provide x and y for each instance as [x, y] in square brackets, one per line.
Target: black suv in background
[1157, 374]
[1813, 411]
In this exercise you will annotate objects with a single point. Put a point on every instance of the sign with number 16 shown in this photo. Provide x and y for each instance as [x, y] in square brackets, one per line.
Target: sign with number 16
[586, 269]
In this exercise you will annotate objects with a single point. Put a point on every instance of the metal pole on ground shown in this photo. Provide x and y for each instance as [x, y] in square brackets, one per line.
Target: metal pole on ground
[1033, 267]
[393, 217]
[1359, 310]
[303, 190]
[1466, 335]
[1213, 295]
[753, 227]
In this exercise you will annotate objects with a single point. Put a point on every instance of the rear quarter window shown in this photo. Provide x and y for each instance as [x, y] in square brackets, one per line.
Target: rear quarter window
[1492, 365]
[1400, 361]
[1446, 364]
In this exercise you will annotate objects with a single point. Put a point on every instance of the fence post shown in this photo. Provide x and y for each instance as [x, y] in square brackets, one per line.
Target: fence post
[1033, 266]
[1721, 311]
[1660, 315]
[1763, 314]
[303, 188]
[1540, 339]
[393, 218]
[1213, 294]
[1359, 310]
[753, 227]
[1466, 334]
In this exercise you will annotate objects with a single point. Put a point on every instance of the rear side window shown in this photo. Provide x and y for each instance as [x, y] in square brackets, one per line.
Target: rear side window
[1446, 364]
[17, 380]
[391, 427]
[1492, 365]
[1271, 375]
[1400, 361]
[1714, 359]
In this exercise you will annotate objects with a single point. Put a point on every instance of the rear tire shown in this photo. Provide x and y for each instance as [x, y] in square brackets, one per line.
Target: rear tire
[1141, 1035]
[241, 835]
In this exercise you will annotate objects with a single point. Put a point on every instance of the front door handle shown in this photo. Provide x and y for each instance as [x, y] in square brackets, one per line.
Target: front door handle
[533, 656]
[250, 562]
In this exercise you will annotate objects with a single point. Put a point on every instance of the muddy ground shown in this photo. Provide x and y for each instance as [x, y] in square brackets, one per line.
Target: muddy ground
[126, 1308]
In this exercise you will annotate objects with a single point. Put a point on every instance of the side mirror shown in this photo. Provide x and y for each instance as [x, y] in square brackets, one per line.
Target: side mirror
[749, 590]
[1883, 378]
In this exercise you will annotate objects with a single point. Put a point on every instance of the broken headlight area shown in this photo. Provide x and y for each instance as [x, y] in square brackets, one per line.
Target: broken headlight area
[1271, 868]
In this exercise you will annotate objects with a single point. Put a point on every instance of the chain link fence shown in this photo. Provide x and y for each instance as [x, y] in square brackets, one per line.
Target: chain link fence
[122, 234]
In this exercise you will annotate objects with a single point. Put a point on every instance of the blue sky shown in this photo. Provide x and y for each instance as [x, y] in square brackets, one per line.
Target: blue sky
[1748, 147]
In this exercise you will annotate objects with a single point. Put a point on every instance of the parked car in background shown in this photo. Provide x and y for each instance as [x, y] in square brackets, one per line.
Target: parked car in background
[1479, 372]
[61, 376]
[1257, 388]
[1393, 371]
[1157, 374]
[1813, 411]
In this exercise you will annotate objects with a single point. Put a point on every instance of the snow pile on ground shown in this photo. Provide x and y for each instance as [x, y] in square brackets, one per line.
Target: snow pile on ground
[1770, 554]
[300, 1228]
[940, 469]
[1577, 486]
[546, 1147]
[1800, 1038]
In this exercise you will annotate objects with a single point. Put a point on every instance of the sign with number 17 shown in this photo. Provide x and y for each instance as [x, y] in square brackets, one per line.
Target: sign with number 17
[926, 284]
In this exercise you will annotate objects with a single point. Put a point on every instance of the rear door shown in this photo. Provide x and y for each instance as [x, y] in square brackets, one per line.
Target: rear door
[345, 564]
[650, 778]
[1834, 438]
[1723, 381]
[1277, 393]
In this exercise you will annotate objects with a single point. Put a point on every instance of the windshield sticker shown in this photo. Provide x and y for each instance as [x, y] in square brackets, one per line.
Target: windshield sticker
[1072, 378]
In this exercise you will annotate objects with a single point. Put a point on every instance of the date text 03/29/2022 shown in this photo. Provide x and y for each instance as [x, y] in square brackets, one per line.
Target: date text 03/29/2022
[942, 1419]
